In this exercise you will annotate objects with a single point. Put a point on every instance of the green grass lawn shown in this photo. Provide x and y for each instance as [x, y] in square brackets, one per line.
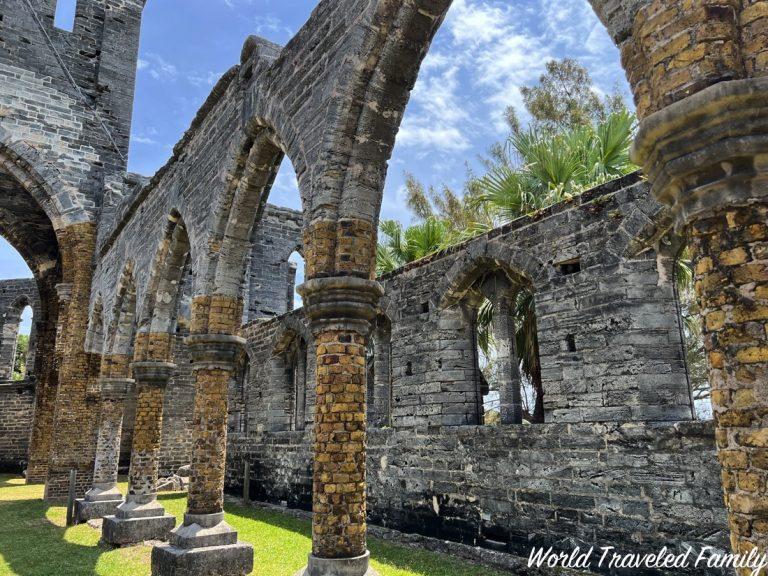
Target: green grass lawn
[35, 542]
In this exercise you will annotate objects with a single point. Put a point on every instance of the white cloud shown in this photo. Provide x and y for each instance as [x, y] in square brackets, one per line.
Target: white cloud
[272, 26]
[440, 112]
[158, 67]
[206, 79]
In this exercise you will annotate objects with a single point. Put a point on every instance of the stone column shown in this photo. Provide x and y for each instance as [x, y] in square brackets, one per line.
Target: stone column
[104, 497]
[707, 157]
[53, 309]
[205, 544]
[75, 414]
[381, 415]
[141, 517]
[510, 393]
[9, 335]
[341, 311]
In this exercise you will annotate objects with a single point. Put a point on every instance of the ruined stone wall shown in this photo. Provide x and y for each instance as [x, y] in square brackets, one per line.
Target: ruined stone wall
[70, 95]
[15, 295]
[619, 463]
[17, 406]
[269, 280]
[635, 486]
[608, 324]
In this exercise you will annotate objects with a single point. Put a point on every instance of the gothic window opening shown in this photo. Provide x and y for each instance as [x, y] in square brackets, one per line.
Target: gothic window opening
[509, 383]
[16, 347]
[295, 278]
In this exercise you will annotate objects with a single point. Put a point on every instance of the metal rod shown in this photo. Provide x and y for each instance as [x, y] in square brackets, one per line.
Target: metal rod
[246, 483]
[71, 520]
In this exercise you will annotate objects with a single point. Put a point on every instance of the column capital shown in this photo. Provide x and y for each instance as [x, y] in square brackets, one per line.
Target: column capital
[153, 372]
[341, 302]
[214, 351]
[708, 151]
[115, 388]
[64, 291]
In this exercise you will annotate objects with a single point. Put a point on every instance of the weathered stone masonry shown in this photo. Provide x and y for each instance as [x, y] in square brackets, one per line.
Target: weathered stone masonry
[332, 100]
[620, 457]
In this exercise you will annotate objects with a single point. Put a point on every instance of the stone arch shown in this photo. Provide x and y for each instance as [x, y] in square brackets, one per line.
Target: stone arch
[41, 180]
[172, 257]
[251, 180]
[122, 327]
[477, 260]
[30, 218]
[94, 337]
[289, 366]
[290, 327]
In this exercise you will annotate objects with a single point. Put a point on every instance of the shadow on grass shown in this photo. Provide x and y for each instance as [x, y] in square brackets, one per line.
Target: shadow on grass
[11, 481]
[387, 557]
[33, 545]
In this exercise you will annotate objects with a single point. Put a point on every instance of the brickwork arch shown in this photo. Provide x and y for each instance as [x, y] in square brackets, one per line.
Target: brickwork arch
[10, 322]
[243, 204]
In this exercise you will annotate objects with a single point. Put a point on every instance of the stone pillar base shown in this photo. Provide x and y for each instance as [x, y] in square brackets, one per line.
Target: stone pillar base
[358, 566]
[203, 545]
[88, 510]
[101, 500]
[137, 521]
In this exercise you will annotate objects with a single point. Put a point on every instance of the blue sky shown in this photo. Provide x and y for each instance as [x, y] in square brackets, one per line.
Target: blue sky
[483, 53]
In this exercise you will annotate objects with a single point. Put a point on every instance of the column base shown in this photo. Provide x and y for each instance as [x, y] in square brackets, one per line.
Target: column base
[358, 566]
[204, 545]
[137, 521]
[101, 500]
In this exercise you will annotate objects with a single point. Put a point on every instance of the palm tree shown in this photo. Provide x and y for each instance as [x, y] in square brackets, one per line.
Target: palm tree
[537, 170]
[414, 243]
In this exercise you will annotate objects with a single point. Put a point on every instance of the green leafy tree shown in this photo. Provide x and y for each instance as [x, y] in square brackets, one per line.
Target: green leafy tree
[20, 361]
[564, 99]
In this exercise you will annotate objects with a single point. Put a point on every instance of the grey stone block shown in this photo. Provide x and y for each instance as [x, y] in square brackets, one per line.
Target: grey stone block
[124, 531]
[229, 560]
[88, 510]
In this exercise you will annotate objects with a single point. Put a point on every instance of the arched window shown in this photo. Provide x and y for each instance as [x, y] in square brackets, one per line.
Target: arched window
[286, 398]
[507, 349]
[295, 278]
[16, 340]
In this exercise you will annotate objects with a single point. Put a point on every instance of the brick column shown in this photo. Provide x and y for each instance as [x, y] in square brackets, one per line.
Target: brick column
[205, 544]
[104, 497]
[141, 517]
[341, 310]
[47, 381]
[707, 157]
[76, 413]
